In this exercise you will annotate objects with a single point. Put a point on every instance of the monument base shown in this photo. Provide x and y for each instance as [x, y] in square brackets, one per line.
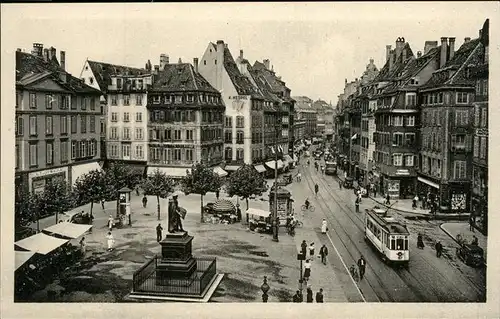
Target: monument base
[177, 261]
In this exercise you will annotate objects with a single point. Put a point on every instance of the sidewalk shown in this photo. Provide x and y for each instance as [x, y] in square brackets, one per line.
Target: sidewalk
[454, 229]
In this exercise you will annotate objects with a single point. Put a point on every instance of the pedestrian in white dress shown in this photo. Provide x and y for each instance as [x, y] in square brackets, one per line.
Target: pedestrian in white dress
[111, 241]
[324, 226]
[111, 222]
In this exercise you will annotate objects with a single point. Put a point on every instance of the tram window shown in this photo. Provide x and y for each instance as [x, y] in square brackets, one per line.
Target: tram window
[393, 244]
[406, 244]
[399, 244]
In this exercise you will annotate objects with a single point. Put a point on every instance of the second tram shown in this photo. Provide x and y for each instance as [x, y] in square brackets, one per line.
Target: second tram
[330, 168]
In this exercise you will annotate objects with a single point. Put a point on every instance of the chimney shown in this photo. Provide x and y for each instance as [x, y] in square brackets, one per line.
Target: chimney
[180, 61]
[451, 44]
[400, 43]
[163, 61]
[46, 54]
[467, 39]
[18, 50]
[387, 52]
[267, 63]
[404, 55]
[148, 65]
[444, 51]
[241, 54]
[429, 45]
[37, 49]
[220, 46]
[419, 54]
[52, 53]
[195, 63]
[391, 60]
[157, 69]
[62, 60]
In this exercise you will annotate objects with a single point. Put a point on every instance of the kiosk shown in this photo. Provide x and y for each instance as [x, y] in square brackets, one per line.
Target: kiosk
[124, 213]
[284, 203]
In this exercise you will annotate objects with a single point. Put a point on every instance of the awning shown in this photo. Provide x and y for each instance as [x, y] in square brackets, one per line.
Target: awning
[220, 171]
[175, 172]
[355, 136]
[22, 257]
[257, 212]
[428, 182]
[285, 163]
[41, 243]
[271, 164]
[288, 158]
[260, 168]
[66, 229]
[231, 168]
[79, 170]
[223, 205]
[295, 158]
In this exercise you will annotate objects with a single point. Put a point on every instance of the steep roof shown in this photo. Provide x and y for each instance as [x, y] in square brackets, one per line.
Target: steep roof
[181, 77]
[386, 74]
[31, 68]
[450, 73]
[276, 84]
[103, 72]
[242, 84]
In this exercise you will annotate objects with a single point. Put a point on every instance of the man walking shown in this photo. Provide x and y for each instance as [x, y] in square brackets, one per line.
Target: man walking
[340, 184]
[316, 190]
[158, 232]
[323, 252]
[387, 199]
[303, 246]
[311, 251]
[439, 249]
[471, 223]
[361, 266]
[357, 205]
[319, 296]
[144, 201]
[309, 295]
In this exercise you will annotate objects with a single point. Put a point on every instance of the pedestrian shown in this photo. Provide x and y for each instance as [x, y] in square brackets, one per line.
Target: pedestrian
[359, 195]
[323, 252]
[324, 226]
[129, 216]
[91, 221]
[357, 205]
[238, 212]
[303, 247]
[311, 251]
[217, 194]
[374, 190]
[137, 190]
[340, 184]
[322, 169]
[301, 296]
[471, 224]
[420, 242]
[299, 177]
[316, 189]
[111, 222]
[296, 297]
[439, 249]
[414, 202]
[361, 266]
[319, 296]
[83, 246]
[307, 270]
[144, 201]
[102, 204]
[475, 241]
[111, 241]
[387, 199]
[309, 295]
[158, 232]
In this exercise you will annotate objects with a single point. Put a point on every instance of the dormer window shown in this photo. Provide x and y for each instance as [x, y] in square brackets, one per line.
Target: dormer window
[190, 98]
[119, 83]
[201, 98]
[156, 99]
[178, 99]
[168, 99]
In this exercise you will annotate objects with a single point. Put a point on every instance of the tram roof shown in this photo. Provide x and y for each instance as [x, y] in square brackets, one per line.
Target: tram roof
[389, 223]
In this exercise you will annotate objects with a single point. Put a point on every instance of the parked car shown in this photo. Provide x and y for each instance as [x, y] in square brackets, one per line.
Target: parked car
[349, 182]
[471, 255]
[74, 217]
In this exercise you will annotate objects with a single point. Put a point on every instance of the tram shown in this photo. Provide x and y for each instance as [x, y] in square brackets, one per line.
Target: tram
[330, 168]
[388, 236]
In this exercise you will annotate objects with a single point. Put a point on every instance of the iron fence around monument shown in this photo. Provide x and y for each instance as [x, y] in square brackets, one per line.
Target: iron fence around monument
[145, 280]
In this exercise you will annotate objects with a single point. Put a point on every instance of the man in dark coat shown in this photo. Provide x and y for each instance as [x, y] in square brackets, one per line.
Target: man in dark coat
[296, 297]
[309, 295]
[319, 296]
[303, 246]
[362, 267]
[323, 252]
[158, 232]
[439, 249]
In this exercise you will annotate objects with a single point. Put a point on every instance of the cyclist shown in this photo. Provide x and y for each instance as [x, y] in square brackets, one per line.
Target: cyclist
[316, 189]
[306, 203]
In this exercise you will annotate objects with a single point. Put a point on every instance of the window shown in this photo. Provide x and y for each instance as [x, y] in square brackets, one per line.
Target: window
[189, 155]
[49, 153]
[397, 139]
[139, 152]
[177, 154]
[64, 151]
[240, 122]
[397, 159]
[33, 154]
[114, 100]
[92, 124]
[228, 153]
[114, 151]
[113, 133]
[32, 101]
[64, 125]
[126, 117]
[462, 98]
[189, 135]
[239, 154]
[33, 126]
[484, 117]
[19, 126]
[83, 123]
[458, 141]
[483, 150]
[178, 99]
[18, 99]
[476, 146]
[73, 124]
[83, 149]
[410, 139]
[409, 160]
[177, 135]
[103, 127]
[397, 120]
[92, 103]
[411, 99]
[440, 98]
[461, 117]
[114, 117]
[239, 137]
[126, 133]
[190, 98]
[228, 121]
[48, 125]
[228, 137]
[156, 99]
[48, 101]
[459, 169]
[126, 100]
[168, 135]
[139, 134]
[126, 150]
[85, 101]
[92, 148]
[138, 99]
[410, 120]
[138, 116]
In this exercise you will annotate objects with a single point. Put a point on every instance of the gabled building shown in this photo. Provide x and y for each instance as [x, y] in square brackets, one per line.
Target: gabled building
[57, 116]
[186, 120]
[445, 170]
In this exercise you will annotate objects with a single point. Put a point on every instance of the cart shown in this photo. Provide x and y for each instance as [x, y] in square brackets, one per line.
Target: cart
[349, 182]
[259, 220]
[471, 255]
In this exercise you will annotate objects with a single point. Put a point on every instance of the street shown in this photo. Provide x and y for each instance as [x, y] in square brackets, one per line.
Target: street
[428, 278]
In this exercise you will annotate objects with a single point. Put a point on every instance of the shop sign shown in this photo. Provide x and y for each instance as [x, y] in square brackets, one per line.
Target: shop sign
[48, 172]
[402, 172]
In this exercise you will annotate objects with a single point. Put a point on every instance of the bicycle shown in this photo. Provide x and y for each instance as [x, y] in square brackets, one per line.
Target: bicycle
[299, 224]
[311, 208]
[354, 273]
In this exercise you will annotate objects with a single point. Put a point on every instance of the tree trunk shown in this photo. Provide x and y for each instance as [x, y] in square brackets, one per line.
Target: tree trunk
[91, 207]
[201, 211]
[158, 202]
[246, 199]
[118, 207]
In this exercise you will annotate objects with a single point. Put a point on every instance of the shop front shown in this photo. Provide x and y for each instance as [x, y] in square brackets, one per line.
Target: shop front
[37, 180]
[428, 189]
[78, 170]
[459, 197]
[399, 185]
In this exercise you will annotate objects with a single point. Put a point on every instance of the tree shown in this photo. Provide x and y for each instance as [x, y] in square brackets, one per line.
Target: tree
[201, 180]
[90, 187]
[55, 198]
[245, 182]
[26, 212]
[158, 184]
[117, 176]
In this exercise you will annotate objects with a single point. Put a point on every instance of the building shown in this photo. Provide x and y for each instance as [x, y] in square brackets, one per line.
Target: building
[310, 117]
[239, 96]
[479, 200]
[341, 121]
[324, 126]
[186, 120]
[57, 116]
[298, 127]
[445, 171]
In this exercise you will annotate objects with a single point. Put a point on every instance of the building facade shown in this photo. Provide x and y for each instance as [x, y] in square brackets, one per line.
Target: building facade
[310, 117]
[186, 120]
[57, 121]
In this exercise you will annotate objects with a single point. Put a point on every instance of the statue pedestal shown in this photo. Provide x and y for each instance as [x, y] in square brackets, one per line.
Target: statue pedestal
[177, 261]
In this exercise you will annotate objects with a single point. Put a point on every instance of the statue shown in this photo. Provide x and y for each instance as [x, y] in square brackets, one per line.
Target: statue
[175, 216]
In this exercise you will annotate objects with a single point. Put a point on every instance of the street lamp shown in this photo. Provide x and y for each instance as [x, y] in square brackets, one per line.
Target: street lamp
[265, 288]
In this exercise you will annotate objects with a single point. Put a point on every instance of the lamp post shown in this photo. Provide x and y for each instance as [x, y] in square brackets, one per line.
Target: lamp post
[265, 288]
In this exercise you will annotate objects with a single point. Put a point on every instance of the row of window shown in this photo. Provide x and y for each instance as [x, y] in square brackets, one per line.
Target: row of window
[52, 101]
[436, 117]
[397, 159]
[126, 117]
[392, 120]
[398, 139]
[228, 137]
[167, 155]
[480, 116]
[256, 154]
[189, 98]
[240, 121]
[79, 150]
[228, 154]
[49, 125]
[431, 166]
[126, 133]
[137, 98]
[171, 135]
[480, 147]
[125, 151]
[442, 98]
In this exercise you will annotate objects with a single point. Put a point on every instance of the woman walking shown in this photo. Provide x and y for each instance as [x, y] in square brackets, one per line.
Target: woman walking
[111, 241]
[307, 270]
[324, 226]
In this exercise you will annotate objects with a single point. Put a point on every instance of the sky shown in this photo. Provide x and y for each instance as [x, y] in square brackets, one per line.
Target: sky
[312, 46]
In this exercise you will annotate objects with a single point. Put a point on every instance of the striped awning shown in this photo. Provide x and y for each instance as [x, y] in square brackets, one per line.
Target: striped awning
[220, 171]
[231, 168]
[260, 168]
[272, 164]
[288, 158]
[223, 205]
[175, 172]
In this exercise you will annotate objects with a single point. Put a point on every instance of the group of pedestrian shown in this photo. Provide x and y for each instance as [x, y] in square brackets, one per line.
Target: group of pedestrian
[299, 297]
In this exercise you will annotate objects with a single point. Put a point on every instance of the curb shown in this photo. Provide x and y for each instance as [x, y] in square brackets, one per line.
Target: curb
[452, 237]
